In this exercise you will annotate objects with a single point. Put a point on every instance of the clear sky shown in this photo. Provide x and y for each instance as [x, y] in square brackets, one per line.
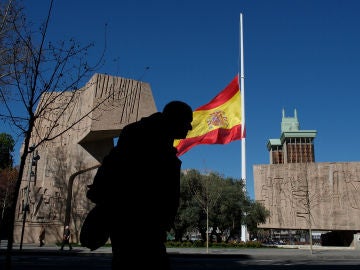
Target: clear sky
[298, 54]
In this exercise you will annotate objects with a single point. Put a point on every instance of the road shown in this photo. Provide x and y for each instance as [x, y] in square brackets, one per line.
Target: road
[191, 259]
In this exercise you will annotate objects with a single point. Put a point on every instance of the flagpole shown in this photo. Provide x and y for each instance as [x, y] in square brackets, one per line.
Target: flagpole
[244, 232]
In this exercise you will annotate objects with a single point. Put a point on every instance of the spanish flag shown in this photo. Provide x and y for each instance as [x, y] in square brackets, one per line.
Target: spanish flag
[217, 122]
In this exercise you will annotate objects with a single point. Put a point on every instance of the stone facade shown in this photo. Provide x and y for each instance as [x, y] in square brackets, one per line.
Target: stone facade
[302, 194]
[55, 186]
[324, 195]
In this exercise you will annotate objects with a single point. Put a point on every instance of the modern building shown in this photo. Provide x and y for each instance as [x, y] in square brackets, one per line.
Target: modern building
[302, 194]
[294, 145]
[83, 125]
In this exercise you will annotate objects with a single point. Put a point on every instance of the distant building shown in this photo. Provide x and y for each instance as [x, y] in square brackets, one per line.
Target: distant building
[302, 194]
[55, 186]
[294, 145]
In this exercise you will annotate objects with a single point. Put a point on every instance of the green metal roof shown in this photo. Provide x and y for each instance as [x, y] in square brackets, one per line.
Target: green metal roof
[273, 142]
[298, 134]
[290, 129]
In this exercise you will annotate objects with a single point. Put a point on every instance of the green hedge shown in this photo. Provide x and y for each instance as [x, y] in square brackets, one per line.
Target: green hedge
[199, 243]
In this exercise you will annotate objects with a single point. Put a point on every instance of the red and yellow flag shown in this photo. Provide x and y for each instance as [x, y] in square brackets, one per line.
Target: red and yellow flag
[217, 122]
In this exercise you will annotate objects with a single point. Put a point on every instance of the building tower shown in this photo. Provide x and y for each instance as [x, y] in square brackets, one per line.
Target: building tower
[321, 199]
[294, 145]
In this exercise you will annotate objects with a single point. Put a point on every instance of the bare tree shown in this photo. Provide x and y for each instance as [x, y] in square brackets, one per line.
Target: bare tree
[72, 206]
[306, 200]
[10, 15]
[42, 76]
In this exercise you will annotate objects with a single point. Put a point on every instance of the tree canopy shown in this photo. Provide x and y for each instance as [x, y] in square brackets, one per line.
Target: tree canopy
[7, 144]
[215, 204]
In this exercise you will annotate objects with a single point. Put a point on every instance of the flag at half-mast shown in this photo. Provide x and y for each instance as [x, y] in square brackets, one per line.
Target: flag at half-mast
[217, 122]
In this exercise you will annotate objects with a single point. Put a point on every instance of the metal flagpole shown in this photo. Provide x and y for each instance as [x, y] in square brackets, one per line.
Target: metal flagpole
[244, 232]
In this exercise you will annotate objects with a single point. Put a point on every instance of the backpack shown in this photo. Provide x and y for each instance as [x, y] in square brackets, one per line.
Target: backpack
[95, 230]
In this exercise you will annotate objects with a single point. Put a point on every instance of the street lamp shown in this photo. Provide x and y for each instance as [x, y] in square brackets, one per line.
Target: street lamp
[32, 174]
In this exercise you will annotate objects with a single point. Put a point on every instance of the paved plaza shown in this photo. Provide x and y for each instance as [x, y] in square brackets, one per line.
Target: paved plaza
[294, 258]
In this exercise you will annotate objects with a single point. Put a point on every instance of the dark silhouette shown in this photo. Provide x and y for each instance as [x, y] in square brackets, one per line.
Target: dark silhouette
[95, 230]
[66, 238]
[42, 236]
[140, 187]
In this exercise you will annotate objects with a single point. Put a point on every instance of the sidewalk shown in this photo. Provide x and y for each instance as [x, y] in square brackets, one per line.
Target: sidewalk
[317, 252]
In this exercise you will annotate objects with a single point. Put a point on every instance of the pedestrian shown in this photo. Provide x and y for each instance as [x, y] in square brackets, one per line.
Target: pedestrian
[42, 236]
[142, 174]
[66, 238]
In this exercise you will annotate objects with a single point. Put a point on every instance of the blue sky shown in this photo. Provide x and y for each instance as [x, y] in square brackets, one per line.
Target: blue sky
[298, 54]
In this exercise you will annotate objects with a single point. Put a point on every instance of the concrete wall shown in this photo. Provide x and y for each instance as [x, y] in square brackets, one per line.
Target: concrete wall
[323, 195]
[91, 117]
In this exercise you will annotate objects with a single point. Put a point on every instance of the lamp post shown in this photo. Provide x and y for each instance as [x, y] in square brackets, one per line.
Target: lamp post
[26, 208]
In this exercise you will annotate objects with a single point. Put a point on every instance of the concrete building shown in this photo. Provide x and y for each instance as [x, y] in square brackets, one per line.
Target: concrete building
[302, 194]
[294, 145]
[82, 125]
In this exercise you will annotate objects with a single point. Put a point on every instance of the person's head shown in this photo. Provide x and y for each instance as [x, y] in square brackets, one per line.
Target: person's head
[178, 117]
[67, 227]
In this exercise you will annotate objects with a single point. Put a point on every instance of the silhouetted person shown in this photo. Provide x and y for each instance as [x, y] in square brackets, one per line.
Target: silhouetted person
[42, 236]
[66, 238]
[143, 192]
